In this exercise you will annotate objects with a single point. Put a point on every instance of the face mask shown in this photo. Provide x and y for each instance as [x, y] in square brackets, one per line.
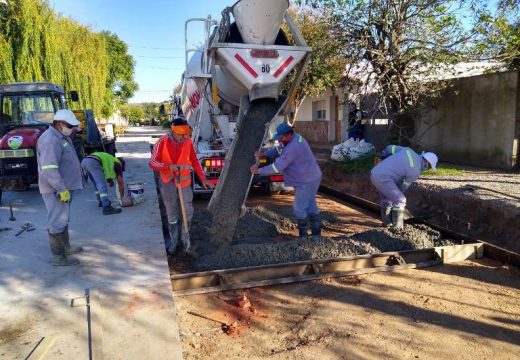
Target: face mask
[66, 131]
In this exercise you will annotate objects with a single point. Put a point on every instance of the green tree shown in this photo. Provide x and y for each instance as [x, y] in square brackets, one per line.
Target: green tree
[132, 112]
[37, 44]
[120, 82]
[150, 111]
[399, 48]
[500, 34]
[326, 66]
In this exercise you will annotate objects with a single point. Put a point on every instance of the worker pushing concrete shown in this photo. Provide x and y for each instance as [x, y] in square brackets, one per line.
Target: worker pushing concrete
[394, 175]
[294, 158]
[174, 158]
[59, 173]
[103, 168]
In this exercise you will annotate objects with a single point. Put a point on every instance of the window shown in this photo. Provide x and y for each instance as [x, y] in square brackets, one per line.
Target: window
[27, 109]
[319, 111]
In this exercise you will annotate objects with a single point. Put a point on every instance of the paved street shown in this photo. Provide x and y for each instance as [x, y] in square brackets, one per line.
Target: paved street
[124, 258]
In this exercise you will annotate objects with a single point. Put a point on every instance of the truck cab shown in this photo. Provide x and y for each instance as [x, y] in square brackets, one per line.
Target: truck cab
[27, 110]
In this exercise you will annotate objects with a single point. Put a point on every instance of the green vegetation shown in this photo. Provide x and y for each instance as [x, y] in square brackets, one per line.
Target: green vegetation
[444, 171]
[366, 163]
[360, 165]
[37, 44]
[325, 68]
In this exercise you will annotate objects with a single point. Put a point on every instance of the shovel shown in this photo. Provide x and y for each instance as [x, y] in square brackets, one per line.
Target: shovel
[181, 200]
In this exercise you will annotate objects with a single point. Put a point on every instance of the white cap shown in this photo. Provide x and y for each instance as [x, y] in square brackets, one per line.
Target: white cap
[432, 159]
[67, 116]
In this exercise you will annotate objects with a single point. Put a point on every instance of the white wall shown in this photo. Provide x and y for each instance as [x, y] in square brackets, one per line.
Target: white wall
[305, 112]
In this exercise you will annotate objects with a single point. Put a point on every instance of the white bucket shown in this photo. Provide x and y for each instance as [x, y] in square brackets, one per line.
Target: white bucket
[136, 192]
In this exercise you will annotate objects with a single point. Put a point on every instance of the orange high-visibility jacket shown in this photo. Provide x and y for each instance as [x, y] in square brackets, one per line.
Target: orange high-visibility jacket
[167, 151]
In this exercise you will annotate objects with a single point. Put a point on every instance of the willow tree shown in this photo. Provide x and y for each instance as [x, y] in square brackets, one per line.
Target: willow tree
[37, 44]
[120, 84]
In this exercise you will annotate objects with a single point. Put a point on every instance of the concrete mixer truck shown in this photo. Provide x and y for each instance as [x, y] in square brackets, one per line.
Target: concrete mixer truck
[234, 87]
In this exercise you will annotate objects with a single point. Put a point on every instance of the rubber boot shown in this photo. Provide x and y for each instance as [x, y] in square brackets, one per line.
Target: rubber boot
[386, 215]
[398, 218]
[315, 221]
[57, 245]
[171, 244]
[109, 210]
[302, 227]
[99, 204]
[69, 250]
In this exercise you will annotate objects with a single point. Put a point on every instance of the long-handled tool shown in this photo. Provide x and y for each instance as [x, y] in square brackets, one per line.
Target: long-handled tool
[181, 200]
[12, 218]
[227, 328]
[25, 227]
[243, 208]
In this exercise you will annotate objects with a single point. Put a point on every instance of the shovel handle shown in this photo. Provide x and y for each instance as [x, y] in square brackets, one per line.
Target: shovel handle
[207, 318]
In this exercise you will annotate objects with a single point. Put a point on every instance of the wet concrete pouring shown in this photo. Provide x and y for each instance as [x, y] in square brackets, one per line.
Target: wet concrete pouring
[388, 315]
[266, 235]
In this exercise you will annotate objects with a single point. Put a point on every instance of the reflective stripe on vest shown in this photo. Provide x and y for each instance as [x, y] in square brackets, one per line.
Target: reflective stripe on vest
[392, 151]
[410, 158]
[183, 163]
[107, 163]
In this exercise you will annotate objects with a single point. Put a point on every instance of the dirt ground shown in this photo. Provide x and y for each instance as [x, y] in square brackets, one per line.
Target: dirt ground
[466, 311]
[469, 310]
[454, 202]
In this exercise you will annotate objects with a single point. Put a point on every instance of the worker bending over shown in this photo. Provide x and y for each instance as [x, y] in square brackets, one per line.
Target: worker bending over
[393, 176]
[103, 168]
[390, 150]
[59, 173]
[174, 158]
[296, 161]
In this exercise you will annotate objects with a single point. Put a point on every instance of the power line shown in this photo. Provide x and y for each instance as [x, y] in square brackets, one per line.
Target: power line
[159, 67]
[159, 57]
[156, 48]
[154, 91]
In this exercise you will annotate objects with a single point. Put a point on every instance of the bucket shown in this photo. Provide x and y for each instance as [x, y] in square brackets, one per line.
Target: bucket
[136, 192]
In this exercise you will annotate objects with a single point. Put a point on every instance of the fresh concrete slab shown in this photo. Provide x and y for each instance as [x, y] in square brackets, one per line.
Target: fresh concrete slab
[124, 259]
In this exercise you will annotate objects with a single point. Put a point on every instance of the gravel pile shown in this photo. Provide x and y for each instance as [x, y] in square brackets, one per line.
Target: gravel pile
[310, 248]
[499, 188]
[408, 238]
[258, 222]
[261, 222]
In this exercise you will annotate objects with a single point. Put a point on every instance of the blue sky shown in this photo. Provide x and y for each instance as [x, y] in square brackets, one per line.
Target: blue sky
[154, 32]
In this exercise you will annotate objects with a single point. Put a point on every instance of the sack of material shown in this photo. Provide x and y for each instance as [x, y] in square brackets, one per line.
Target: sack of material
[351, 149]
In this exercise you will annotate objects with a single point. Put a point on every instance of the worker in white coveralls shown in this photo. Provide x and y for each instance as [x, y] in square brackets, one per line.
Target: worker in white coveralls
[103, 168]
[59, 173]
[174, 157]
[294, 158]
[394, 175]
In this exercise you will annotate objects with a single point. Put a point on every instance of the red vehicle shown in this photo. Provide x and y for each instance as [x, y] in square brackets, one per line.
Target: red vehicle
[27, 110]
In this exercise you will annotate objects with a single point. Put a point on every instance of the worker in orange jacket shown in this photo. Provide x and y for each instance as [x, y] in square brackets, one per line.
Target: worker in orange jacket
[174, 158]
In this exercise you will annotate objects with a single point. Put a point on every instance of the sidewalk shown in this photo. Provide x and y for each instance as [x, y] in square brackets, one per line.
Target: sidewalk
[124, 258]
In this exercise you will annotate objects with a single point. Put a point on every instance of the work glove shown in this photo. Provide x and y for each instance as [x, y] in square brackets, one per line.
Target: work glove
[174, 170]
[64, 196]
